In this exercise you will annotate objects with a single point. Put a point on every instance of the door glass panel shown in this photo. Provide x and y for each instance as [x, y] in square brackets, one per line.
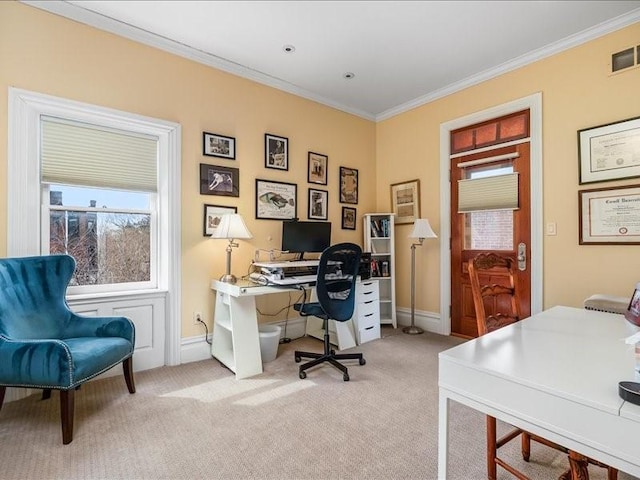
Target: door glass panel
[491, 229]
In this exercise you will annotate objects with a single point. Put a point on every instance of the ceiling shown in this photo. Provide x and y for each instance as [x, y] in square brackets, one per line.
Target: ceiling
[402, 53]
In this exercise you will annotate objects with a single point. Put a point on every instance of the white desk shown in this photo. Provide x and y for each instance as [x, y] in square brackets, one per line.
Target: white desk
[554, 374]
[235, 337]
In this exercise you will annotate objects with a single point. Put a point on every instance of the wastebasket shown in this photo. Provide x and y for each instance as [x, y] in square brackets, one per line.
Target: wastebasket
[269, 341]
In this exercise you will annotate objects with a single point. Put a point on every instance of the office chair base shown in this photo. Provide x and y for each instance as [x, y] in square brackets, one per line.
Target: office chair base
[332, 358]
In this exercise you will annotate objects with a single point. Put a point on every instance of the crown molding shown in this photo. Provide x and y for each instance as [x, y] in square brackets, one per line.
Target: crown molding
[102, 22]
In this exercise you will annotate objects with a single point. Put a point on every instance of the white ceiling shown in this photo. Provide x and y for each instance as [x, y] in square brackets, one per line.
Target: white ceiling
[403, 53]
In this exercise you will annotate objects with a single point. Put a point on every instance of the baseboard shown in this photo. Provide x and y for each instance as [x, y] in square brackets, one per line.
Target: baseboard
[428, 321]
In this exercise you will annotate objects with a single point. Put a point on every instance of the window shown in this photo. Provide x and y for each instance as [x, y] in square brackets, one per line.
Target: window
[98, 195]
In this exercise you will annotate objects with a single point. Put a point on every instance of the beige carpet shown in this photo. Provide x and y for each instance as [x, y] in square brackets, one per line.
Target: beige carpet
[195, 421]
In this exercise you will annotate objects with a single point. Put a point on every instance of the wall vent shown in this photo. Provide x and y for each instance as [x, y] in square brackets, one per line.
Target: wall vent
[625, 59]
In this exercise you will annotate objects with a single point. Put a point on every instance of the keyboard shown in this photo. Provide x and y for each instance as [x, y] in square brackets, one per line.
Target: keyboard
[295, 280]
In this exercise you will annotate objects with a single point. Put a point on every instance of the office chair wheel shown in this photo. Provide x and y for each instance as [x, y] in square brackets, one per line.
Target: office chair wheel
[298, 360]
[345, 377]
[333, 352]
[362, 361]
[303, 375]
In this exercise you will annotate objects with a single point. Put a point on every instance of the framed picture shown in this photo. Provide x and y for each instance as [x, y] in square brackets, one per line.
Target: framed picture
[633, 310]
[405, 201]
[212, 214]
[609, 152]
[318, 204]
[216, 180]
[610, 216]
[348, 185]
[276, 200]
[317, 168]
[214, 145]
[348, 218]
[276, 152]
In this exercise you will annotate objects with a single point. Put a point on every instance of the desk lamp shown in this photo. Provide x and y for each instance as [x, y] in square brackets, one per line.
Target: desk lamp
[421, 230]
[231, 227]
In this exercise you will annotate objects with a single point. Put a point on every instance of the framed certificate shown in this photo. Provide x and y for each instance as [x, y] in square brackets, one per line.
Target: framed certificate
[610, 216]
[609, 152]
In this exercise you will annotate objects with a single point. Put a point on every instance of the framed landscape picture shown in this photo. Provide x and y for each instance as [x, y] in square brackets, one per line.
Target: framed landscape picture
[405, 201]
[214, 145]
[217, 180]
[212, 215]
[276, 200]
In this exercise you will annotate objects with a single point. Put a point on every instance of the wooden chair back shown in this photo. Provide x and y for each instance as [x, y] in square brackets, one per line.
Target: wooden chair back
[496, 305]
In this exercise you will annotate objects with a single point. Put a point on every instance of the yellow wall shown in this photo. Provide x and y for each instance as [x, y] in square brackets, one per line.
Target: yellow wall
[577, 93]
[49, 54]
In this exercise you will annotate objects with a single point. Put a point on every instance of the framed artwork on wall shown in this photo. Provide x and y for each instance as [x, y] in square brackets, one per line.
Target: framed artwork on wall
[348, 185]
[276, 200]
[405, 201]
[217, 180]
[348, 218]
[212, 214]
[317, 168]
[214, 145]
[610, 216]
[318, 204]
[276, 152]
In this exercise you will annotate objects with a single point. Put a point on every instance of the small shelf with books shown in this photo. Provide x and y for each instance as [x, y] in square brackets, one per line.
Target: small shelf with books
[379, 240]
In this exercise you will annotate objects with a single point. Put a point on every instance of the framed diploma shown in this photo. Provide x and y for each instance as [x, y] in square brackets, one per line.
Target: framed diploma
[609, 152]
[610, 216]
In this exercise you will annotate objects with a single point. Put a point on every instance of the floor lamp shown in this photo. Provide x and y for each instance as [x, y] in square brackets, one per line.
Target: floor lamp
[421, 230]
[231, 226]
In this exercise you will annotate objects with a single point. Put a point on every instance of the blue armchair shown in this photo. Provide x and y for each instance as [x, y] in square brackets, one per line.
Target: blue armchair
[44, 345]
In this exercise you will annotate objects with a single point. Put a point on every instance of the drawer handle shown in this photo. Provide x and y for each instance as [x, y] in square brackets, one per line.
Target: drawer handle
[368, 283]
[369, 328]
[368, 314]
[367, 293]
[366, 303]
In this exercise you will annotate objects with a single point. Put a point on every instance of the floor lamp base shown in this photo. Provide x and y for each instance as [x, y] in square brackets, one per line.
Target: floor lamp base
[413, 330]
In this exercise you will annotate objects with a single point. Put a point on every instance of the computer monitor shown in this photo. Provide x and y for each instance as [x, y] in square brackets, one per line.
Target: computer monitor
[306, 237]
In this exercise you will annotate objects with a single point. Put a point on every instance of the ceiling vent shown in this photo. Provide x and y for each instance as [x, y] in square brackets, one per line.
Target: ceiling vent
[625, 59]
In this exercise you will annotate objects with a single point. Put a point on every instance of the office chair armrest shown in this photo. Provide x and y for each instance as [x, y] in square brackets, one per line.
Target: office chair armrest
[85, 326]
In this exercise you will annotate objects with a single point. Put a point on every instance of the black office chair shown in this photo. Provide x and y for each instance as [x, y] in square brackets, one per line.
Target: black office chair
[335, 289]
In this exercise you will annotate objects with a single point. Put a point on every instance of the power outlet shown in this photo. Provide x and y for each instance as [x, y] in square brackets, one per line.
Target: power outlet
[197, 316]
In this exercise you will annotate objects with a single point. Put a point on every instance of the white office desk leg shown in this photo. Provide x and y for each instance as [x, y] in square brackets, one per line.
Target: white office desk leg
[236, 341]
[443, 434]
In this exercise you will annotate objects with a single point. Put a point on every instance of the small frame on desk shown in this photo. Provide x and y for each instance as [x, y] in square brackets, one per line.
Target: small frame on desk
[609, 152]
[212, 216]
[633, 310]
[405, 201]
[317, 168]
[348, 185]
[276, 200]
[609, 216]
[318, 204]
[276, 152]
[214, 145]
[348, 218]
[217, 180]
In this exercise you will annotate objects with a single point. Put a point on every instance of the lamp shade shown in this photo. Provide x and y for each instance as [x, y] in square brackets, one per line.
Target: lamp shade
[422, 229]
[231, 226]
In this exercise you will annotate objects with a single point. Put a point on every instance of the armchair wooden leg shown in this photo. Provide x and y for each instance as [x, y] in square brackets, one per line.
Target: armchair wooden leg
[67, 398]
[127, 367]
[3, 390]
[492, 468]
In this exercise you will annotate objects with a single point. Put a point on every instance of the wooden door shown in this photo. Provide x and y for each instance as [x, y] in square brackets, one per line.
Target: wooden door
[505, 232]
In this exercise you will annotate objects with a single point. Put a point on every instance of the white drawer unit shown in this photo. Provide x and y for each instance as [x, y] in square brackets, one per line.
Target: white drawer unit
[366, 315]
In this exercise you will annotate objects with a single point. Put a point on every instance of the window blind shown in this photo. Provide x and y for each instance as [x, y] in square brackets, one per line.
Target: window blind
[75, 153]
[499, 192]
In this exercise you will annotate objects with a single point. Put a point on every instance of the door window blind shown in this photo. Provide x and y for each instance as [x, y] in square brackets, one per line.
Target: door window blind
[498, 192]
[75, 153]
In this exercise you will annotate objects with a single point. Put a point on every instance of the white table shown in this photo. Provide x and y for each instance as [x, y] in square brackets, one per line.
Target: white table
[235, 337]
[554, 374]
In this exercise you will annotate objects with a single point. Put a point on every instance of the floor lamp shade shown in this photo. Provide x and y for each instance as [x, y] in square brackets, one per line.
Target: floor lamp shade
[421, 230]
[231, 227]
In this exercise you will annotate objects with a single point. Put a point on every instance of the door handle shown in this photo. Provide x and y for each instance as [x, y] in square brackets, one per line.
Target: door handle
[522, 257]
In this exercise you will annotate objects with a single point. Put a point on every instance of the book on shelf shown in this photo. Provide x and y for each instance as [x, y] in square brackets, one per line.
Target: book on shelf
[384, 270]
